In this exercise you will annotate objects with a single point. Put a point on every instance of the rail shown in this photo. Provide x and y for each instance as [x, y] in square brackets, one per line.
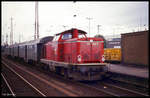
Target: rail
[24, 80]
[8, 85]
[64, 88]
[109, 92]
[125, 89]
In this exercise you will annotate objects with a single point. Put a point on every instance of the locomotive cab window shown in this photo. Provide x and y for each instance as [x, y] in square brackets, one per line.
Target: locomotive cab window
[81, 35]
[67, 36]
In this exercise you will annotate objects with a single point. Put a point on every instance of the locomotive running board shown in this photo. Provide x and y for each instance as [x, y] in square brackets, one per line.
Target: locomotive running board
[50, 62]
[90, 64]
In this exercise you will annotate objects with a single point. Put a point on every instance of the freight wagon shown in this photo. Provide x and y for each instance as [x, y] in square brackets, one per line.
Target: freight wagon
[114, 43]
[135, 48]
[112, 54]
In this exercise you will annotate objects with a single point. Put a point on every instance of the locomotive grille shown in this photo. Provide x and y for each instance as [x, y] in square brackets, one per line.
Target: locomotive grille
[86, 57]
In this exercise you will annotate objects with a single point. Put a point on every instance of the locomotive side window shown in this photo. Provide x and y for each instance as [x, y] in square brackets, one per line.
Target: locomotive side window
[67, 36]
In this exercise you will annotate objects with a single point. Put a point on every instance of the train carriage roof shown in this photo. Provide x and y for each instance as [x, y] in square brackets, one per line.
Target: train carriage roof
[37, 41]
[40, 40]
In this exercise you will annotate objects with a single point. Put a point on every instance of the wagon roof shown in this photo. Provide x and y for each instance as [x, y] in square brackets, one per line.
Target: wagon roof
[80, 31]
[40, 40]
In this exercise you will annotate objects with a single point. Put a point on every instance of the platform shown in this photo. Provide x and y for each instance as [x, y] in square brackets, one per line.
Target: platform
[129, 70]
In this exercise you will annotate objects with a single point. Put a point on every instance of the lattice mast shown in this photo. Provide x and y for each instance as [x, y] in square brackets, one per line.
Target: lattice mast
[36, 35]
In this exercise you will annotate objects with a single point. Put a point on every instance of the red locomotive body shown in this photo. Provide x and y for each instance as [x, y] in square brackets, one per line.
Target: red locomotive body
[73, 51]
[73, 46]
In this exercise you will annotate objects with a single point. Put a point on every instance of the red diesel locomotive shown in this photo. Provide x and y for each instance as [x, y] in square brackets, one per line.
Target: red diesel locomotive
[75, 55]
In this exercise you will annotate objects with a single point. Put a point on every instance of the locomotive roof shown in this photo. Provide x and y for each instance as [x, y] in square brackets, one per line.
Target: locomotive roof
[71, 31]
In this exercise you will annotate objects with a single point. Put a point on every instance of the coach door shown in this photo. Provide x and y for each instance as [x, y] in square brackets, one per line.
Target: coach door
[18, 51]
[25, 52]
[39, 51]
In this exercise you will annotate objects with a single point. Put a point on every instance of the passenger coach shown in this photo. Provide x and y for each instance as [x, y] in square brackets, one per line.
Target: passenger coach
[30, 51]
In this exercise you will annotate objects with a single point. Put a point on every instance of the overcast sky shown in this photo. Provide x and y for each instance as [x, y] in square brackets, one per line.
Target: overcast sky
[114, 17]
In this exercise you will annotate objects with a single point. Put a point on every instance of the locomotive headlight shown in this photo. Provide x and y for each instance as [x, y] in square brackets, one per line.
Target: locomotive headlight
[79, 58]
[103, 58]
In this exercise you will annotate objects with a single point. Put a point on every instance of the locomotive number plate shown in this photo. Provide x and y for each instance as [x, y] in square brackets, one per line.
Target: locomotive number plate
[88, 43]
[95, 43]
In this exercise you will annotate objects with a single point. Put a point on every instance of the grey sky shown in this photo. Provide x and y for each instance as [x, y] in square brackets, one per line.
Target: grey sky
[114, 17]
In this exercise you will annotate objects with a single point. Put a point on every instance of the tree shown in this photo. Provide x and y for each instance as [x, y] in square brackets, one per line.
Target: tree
[101, 36]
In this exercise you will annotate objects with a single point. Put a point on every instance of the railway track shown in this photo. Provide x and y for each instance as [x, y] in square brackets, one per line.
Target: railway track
[127, 79]
[67, 87]
[114, 90]
[130, 86]
[104, 88]
[119, 91]
[17, 84]
[128, 90]
[6, 89]
[41, 86]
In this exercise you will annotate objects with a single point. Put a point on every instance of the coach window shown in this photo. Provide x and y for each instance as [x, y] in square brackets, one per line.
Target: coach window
[66, 36]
